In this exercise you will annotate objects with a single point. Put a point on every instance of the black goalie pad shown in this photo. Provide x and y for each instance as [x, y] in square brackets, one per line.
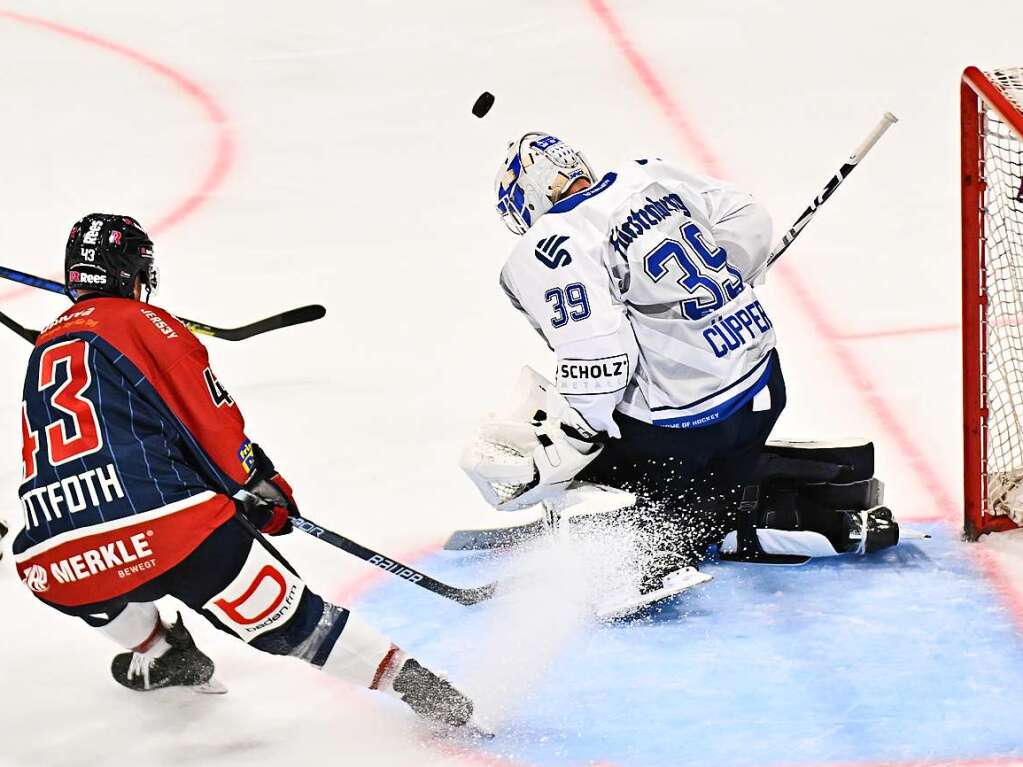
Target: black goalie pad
[813, 486]
[812, 461]
[865, 494]
[836, 475]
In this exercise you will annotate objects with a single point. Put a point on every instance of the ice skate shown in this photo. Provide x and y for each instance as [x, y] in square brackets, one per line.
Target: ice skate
[872, 530]
[433, 697]
[183, 665]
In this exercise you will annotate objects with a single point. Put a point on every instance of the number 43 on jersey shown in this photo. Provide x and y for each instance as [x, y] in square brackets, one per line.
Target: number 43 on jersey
[68, 403]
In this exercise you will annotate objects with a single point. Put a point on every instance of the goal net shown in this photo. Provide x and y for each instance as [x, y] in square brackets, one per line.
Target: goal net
[992, 199]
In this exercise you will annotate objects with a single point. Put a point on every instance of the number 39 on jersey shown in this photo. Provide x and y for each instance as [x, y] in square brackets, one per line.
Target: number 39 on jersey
[707, 277]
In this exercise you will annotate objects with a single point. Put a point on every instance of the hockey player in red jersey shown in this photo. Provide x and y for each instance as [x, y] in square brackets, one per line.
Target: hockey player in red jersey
[139, 482]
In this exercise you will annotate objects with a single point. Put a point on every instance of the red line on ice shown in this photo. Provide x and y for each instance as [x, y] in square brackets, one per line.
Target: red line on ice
[891, 332]
[355, 588]
[926, 473]
[675, 116]
[854, 371]
[224, 145]
[860, 378]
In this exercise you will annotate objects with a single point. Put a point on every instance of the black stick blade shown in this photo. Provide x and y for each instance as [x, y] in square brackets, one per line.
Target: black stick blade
[21, 330]
[275, 322]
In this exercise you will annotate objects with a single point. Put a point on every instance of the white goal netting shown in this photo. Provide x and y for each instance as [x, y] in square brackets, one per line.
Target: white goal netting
[1002, 200]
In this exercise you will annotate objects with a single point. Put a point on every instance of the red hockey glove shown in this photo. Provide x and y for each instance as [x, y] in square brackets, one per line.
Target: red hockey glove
[267, 499]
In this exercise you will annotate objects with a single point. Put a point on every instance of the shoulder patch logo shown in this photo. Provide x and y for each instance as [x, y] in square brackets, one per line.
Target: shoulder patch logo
[550, 253]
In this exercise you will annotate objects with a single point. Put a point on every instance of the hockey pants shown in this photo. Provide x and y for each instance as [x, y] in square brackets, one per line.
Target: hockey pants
[242, 588]
[689, 481]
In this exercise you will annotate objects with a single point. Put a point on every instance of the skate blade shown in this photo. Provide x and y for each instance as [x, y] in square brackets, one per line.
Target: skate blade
[623, 606]
[909, 534]
[470, 731]
[477, 731]
[213, 687]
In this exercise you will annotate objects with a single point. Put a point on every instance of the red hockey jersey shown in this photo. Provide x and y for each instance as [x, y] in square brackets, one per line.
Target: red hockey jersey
[131, 451]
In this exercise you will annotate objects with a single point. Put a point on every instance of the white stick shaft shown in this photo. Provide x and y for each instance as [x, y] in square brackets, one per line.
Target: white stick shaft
[887, 121]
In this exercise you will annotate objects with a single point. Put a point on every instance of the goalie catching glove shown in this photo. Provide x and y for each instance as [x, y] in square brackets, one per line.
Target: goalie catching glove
[267, 500]
[533, 455]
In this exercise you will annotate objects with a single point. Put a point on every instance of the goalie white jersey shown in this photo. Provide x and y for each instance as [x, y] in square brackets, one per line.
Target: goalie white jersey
[641, 284]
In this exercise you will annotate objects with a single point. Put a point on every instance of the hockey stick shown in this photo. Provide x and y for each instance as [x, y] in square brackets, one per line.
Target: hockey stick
[887, 121]
[273, 322]
[469, 596]
[21, 330]
[31, 280]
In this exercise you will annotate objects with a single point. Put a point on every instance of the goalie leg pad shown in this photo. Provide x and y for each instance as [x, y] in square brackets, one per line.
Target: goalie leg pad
[862, 494]
[824, 494]
[863, 532]
[808, 461]
[784, 543]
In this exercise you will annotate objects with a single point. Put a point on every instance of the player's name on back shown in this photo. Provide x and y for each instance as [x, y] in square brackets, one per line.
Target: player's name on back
[76, 493]
[726, 333]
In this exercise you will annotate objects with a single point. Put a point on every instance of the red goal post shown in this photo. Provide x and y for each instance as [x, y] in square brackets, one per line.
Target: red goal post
[992, 242]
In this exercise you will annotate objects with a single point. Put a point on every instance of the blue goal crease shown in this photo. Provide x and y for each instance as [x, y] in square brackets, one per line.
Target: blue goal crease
[903, 655]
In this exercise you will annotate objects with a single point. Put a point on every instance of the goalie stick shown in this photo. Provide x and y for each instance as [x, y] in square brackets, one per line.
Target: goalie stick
[469, 596]
[274, 322]
[887, 121]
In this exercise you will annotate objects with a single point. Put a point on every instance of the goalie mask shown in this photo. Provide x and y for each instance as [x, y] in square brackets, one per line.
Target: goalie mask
[534, 176]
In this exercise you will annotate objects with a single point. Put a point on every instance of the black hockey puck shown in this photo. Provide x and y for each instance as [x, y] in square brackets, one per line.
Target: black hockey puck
[483, 104]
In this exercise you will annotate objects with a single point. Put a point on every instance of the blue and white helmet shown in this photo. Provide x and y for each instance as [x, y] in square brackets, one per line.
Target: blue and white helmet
[537, 170]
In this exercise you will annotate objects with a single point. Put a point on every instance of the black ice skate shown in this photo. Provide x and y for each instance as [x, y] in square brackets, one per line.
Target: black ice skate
[183, 665]
[872, 530]
[431, 696]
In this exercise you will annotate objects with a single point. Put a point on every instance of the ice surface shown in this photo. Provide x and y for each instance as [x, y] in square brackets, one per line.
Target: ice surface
[359, 179]
[900, 656]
